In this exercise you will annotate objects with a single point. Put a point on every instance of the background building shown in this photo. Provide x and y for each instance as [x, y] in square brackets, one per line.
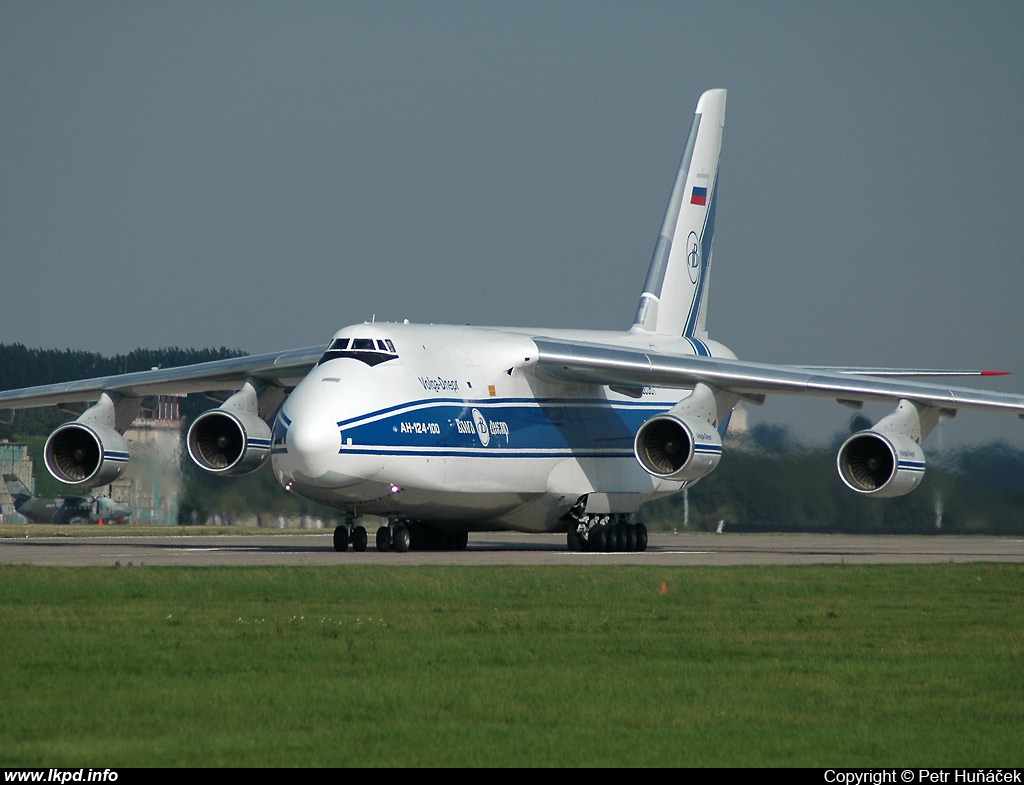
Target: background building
[153, 480]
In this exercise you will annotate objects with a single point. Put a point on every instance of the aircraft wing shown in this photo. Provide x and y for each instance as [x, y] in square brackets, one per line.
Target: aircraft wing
[632, 368]
[283, 369]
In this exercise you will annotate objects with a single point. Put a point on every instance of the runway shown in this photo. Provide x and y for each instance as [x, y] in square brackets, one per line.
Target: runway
[679, 550]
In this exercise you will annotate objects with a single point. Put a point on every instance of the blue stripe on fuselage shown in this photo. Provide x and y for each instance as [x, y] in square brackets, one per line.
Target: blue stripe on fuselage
[522, 427]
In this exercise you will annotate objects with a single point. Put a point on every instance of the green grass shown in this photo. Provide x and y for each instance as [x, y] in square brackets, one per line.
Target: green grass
[369, 665]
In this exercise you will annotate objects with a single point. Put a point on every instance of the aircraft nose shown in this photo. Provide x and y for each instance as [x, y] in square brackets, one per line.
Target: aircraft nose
[313, 441]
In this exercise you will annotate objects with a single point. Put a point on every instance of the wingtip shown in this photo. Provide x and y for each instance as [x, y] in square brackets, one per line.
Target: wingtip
[996, 373]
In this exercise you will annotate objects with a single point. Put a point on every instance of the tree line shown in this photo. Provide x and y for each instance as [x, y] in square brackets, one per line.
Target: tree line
[21, 366]
[769, 482]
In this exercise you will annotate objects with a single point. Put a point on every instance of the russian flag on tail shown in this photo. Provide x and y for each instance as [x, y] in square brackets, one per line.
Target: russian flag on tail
[699, 195]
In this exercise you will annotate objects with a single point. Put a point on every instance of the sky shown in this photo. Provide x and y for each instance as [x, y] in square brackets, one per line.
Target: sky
[257, 175]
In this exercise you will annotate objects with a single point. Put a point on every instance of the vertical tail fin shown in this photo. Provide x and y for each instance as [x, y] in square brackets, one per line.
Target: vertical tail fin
[673, 301]
[17, 489]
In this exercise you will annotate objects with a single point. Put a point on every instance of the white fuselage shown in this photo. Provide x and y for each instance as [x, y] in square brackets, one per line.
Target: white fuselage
[450, 425]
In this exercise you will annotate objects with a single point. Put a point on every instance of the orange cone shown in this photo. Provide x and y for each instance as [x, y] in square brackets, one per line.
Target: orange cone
[664, 588]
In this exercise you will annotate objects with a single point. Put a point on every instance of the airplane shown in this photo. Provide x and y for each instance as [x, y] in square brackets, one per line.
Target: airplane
[436, 431]
[64, 509]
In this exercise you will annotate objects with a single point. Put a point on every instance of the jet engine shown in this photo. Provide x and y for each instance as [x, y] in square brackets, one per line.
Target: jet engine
[229, 442]
[86, 454]
[673, 447]
[886, 460]
[881, 464]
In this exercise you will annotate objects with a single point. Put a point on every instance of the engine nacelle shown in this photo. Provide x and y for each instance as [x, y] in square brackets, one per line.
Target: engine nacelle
[880, 464]
[85, 454]
[228, 442]
[678, 448]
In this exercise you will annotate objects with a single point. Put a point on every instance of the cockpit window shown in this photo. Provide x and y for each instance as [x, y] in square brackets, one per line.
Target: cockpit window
[371, 351]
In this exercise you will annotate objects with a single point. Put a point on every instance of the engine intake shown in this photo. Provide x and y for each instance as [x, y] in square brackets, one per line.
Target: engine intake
[227, 442]
[677, 448]
[880, 464]
[85, 454]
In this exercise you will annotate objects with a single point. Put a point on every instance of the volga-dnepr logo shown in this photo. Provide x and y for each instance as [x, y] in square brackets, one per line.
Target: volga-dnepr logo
[483, 429]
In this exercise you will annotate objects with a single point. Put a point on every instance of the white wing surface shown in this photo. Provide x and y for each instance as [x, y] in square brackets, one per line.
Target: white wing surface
[621, 366]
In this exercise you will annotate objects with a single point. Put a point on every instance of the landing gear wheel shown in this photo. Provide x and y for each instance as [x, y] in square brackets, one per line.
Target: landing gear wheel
[403, 539]
[621, 537]
[572, 539]
[359, 539]
[610, 538]
[340, 539]
[382, 539]
[641, 537]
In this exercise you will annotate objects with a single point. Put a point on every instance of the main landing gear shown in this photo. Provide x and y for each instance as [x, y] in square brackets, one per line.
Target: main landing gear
[607, 533]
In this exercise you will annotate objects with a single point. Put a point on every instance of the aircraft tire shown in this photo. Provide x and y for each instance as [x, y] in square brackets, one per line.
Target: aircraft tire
[403, 539]
[610, 539]
[630, 537]
[340, 539]
[622, 537]
[382, 539]
[641, 537]
[359, 539]
[573, 541]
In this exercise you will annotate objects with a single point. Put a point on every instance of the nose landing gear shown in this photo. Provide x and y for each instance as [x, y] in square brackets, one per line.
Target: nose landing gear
[349, 533]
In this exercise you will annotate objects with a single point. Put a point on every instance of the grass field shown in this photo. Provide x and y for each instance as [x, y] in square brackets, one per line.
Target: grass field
[369, 665]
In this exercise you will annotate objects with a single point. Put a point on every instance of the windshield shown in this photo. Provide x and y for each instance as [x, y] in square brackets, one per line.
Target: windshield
[371, 351]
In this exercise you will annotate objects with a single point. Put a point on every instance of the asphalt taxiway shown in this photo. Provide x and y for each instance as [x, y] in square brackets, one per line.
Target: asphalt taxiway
[689, 549]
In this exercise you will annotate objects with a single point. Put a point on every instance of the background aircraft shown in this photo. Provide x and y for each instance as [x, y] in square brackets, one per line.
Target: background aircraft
[439, 430]
[65, 509]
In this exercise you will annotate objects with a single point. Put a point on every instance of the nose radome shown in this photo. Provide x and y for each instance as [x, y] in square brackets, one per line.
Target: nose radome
[313, 441]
